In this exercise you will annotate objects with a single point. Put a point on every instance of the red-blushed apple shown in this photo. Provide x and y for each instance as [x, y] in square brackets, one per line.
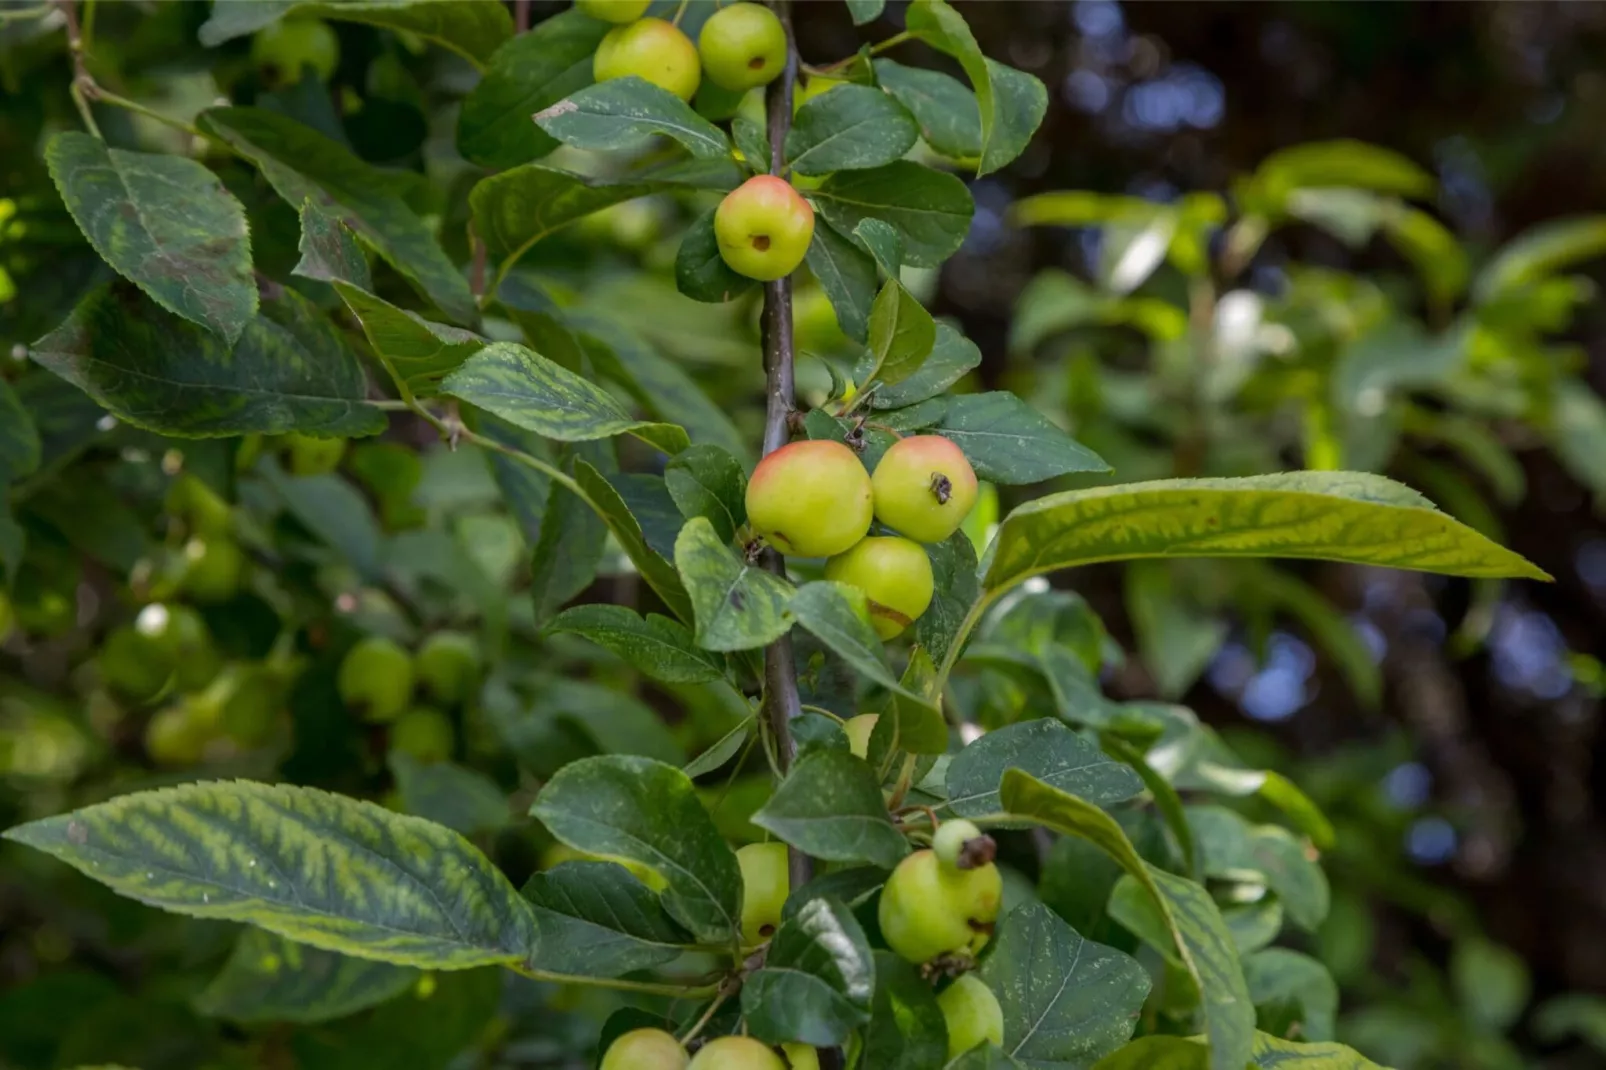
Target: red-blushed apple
[810, 499]
[742, 46]
[972, 1013]
[764, 227]
[894, 574]
[924, 488]
[652, 50]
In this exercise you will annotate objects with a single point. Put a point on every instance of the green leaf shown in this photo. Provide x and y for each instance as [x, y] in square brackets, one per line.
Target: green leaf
[840, 618]
[707, 481]
[532, 392]
[1176, 638]
[906, 1030]
[902, 333]
[848, 276]
[1334, 516]
[851, 128]
[930, 209]
[617, 721]
[315, 867]
[531, 72]
[270, 979]
[1491, 982]
[700, 270]
[949, 118]
[645, 811]
[830, 806]
[1011, 102]
[471, 28]
[883, 244]
[1296, 985]
[817, 980]
[517, 208]
[19, 440]
[722, 751]
[329, 251]
[1048, 751]
[1254, 925]
[985, 1057]
[1540, 252]
[595, 919]
[336, 513]
[1328, 164]
[910, 723]
[1008, 441]
[1066, 1001]
[462, 799]
[164, 223]
[1330, 628]
[1166, 800]
[659, 574]
[737, 604]
[302, 164]
[418, 354]
[428, 1026]
[290, 371]
[1192, 920]
[655, 645]
[952, 357]
[621, 112]
[1273, 1052]
[1233, 849]
[864, 11]
[1159, 1053]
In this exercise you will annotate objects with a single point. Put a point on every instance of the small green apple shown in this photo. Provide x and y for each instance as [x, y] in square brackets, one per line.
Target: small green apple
[924, 488]
[135, 664]
[174, 738]
[186, 642]
[652, 50]
[766, 882]
[645, 1049]
[810, 499]
[449, 666]
[927, 910]
[742, 46]
[198, 505]
[376, 678]
[961, 845]
[972, 1013]
[764, 227]
[736, 1053]
[253, 698]
[213, 568]
[424, 733]
[859, 730]
[801, 1056]
[310, 456]
[618, 11]
[894, 574]
[281, 50]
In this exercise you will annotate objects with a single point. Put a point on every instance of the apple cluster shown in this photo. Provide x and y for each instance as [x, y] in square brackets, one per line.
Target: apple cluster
[741, 46]
[378, 676]
[815, 499]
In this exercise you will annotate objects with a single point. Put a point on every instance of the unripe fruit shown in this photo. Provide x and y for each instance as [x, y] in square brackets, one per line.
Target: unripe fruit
[281, 50]
[311, 456]
[135, 664]
[252, 703]
[927, 911]
[810, 499]
[645, 1049]
[972, 1013]
[198, 505]
[894, 574]
[801, 1056]
[859, 730]
[376, 678]
[186, 645]
[924, 488]
[212, 569]
[424, 733]
[736, 1053]
[652, 50]
[174, 738]
[764, 227]
[620, 11]
[766, 882]
[742, 46]
[449, 666]
[960, 845]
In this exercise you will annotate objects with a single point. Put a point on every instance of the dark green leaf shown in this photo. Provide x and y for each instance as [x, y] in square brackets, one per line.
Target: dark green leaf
[471, 28]
[595, 919]
[817, 980]
[425, 1027]
[701, 272]
[985, 1057]
[853, 885]
[649, 502]
[848, 277]
[165, 223]
[1233, 849]
[737, 604]
[329, 252]
[569, 544]
[290, 370]
[1166, 799]
[864, 11]
[418, 354]
[318, 868]
[530, 72]
[953, 570]
[517, 208]
[930, 209]
[19, 441]
[910, 723]
[852, 128]
[621, 112]
[448, 794]
[906, 1030]
[619, 722]
[1067, 1001]
[883, 244]
[657, 646]
[270, 979]
[648, 812]
[1290, 982]
[839, 616]
[830, 806]
[728, 746]
[707, 481]
[902, 333]
[1008, 441]
[752, 142]
[1048, 751]
[336, 513]
[816, 731]
[659, 573]
[950, 121]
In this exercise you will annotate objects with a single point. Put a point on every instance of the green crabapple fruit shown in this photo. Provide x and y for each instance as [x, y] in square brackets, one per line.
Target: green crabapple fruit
[310, 456]
[961, 845]
[652, 50]
[135, 664]
[810, 499]
[736, 1053]
[449, 666]
[894, 574]
[742, 46]
[924, 488]
[281, 50]
[186, 645]
[213, 569]
[376, 678]
[764, 227]
[619, 11]
[927, 911]
[972, 1013]
[645, 1049]
[198, 505]
[424, 734]
[766, 882]
[801, 1056]
[859, 730]
[174, 738]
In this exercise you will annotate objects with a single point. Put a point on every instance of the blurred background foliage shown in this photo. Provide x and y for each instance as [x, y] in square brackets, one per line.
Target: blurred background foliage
[1248, 238]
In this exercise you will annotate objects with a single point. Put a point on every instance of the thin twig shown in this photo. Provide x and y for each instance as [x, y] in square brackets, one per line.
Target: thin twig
[521, 15]
[82, 82]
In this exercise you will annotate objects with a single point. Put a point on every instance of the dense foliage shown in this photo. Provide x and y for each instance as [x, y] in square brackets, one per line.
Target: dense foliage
[382, 568]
